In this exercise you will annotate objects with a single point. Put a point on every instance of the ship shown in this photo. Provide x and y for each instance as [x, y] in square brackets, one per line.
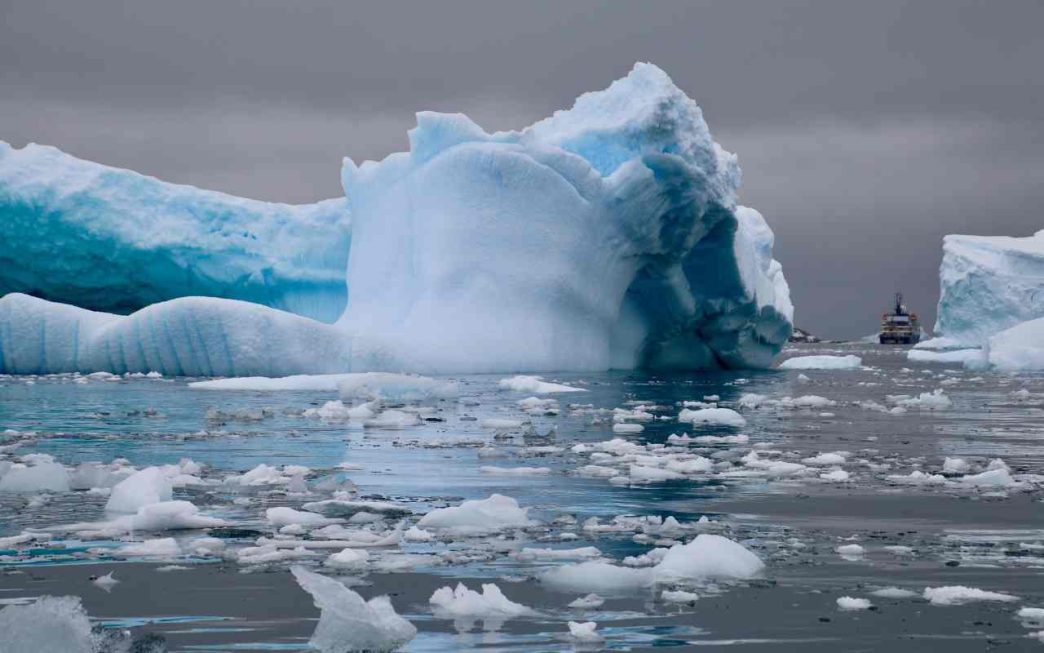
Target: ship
[900, 327]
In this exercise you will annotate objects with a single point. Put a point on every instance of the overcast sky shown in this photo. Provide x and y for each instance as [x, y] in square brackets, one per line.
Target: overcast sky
[866, 129]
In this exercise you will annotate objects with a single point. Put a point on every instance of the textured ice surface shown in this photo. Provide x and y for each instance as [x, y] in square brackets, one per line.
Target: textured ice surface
[822, 362]
[347, 622]
[626, 203]
[108, 239]
[1020, 348]
[988, 284]
[605, 236]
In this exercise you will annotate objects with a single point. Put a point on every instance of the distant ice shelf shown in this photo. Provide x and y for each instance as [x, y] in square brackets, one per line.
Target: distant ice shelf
[605, 236]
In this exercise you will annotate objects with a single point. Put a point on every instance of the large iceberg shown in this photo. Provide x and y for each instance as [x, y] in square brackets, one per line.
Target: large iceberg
[988, 284]
[605, 236]
[107, 239]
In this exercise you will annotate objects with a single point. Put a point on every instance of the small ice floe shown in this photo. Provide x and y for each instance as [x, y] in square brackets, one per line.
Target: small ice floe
[535, 385]
[590, 601]
[849, 603]
[162, 516]
[935, 400]
[835, 476]
[956, 466]
[741, 438]
[679, 596]
[352, 559]
[917, 477]
[465, 606]
[827, 459]
[44, 476]
[148, 486]
[959, 595]
[478, 517]
[414, 534]
[349, 623]
[823, 362]
[1031, 617]
[963, 356]
[515, 471]
[348, 508]
[584, 631]
[717, 416]
[337, 411]
[894, 593]
[164, 547]
[50, 623]
[580, 553]
[707, 557]
[106, 582]
[285, 516]
[627, 427]
[851, 552]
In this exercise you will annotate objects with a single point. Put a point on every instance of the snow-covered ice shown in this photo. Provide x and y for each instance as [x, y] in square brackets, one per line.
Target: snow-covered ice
[475, 517]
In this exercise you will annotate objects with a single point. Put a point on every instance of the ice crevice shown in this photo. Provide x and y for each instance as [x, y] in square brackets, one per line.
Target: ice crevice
[605, 236]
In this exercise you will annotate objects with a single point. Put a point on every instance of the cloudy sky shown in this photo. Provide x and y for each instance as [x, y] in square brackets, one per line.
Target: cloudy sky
[866, 130]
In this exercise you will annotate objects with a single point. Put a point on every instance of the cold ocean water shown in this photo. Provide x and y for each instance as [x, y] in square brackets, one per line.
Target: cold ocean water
[884, 509]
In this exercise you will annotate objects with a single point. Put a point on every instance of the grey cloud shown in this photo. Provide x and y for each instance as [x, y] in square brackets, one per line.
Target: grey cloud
[866, 130]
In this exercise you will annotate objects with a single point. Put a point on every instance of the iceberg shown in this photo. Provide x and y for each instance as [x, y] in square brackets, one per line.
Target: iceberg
[106, 239]
[988, 284]
[605, 236]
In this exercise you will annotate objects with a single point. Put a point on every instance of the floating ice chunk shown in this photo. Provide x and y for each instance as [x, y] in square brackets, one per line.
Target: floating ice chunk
[646, 474]
[285, 516]
[1031, 616]
[393, 419]
[627, 427]
[347, 622]
[917, 477]
[849, 603]
[960, 356]
[836, 476]
[43, 477]
[346, 508]
[894, 593]
[992, 478]
[294, 383]
[587, 602]
[106, 582]
[148, 486]
[414, 534]
[166, 547]
[515, 471]
[708, 557]
[498, 512]
[595, 576]
[955, 466]
[348, 559]
[501, 423]
[827, 459]
[823, 362]
[395, 387]
[959, 595]
[535, 385]
[741, 438]
[1019, 348]
[679, 596]
[722, 416]
[48, 624]
[935, 400]
[162, 516]
[851, 551]
[580, 553]
[584, 631]
[463, 603]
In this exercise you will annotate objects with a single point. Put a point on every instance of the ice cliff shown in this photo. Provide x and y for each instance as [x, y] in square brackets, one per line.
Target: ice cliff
[605, 236]
[103, 238]
[987, 284]
[991, 296]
